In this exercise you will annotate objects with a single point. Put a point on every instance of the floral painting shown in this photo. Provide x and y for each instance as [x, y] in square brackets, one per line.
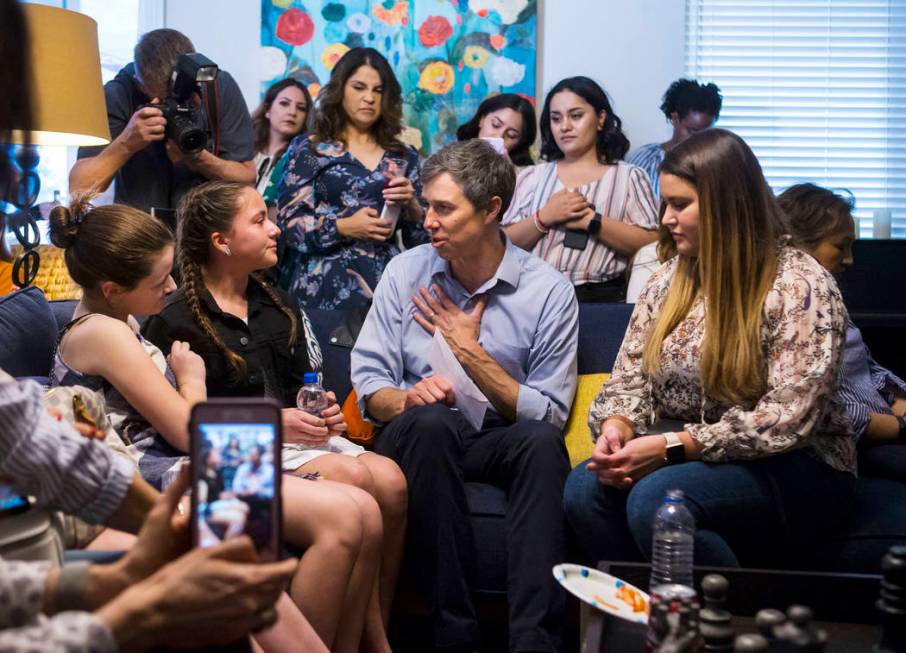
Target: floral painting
[448, 54]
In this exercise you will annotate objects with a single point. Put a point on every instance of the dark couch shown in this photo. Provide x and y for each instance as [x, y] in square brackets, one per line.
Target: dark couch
[29, 324]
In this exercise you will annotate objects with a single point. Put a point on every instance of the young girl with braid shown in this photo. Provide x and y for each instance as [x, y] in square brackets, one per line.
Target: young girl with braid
[122, 258]
[256, 341]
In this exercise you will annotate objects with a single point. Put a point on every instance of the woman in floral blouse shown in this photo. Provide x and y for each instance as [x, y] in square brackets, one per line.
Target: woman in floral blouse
[337, 180]
[738, 341]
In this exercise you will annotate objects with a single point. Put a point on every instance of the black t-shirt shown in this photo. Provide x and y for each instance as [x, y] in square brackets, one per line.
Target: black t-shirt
[275, 368]
[149, 178]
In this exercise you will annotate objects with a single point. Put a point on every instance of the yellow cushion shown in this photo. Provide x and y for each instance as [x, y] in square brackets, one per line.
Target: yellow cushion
[578, 438]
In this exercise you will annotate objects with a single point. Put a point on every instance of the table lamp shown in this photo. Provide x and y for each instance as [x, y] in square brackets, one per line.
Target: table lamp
[67, 95]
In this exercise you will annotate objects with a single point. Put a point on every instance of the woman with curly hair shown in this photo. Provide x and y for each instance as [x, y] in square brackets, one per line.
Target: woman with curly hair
[583, 211]
[338, 178]
[689, 107]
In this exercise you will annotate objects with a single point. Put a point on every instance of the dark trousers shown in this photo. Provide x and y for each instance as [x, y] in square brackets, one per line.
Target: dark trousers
[439, 451]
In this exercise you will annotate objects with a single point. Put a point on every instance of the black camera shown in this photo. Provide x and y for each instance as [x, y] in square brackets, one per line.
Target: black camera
[185, 122]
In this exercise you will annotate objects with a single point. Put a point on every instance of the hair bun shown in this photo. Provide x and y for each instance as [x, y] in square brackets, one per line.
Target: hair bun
[66, 222]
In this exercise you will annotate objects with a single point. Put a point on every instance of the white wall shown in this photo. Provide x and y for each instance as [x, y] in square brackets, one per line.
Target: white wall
[634, 48]
[226, 31]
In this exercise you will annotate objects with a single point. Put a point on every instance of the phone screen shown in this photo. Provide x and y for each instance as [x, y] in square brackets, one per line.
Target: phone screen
[237, 484]
[11, 502]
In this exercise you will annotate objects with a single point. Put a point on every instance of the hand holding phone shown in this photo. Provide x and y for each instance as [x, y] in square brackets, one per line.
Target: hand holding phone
[236, 473]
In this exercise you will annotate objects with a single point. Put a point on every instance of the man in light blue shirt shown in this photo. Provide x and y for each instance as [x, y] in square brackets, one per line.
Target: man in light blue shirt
[511, 321]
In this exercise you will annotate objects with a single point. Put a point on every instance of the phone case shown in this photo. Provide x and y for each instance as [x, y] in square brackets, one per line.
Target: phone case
[239, 411]
[575, 239]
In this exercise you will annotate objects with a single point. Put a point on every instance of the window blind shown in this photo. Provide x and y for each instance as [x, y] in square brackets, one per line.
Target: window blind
[817, 88]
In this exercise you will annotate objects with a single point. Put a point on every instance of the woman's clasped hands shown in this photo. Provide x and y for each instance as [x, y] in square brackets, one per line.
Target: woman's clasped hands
[620, 458]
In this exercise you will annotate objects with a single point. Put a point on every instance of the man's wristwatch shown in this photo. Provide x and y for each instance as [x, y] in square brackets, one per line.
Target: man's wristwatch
[594, 227]
[676, 452]
[902, 434]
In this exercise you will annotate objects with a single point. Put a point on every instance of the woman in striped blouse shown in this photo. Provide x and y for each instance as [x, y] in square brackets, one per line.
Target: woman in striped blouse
[821, 223]
[583, 211]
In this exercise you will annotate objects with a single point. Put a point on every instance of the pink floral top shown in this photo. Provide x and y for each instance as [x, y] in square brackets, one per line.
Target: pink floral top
[803, 331]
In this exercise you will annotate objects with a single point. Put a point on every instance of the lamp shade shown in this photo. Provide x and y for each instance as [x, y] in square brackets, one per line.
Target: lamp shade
[67, 89]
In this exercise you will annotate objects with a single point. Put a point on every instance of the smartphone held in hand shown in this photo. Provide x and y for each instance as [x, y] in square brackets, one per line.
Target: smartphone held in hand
[236, 473]
[391, 213]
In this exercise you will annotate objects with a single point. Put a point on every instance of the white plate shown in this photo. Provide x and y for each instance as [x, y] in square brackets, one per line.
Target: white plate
[600, 591]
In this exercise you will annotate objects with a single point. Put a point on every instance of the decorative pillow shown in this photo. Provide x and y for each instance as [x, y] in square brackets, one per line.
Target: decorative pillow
[28, 333]
[578, 439]
[357, 429]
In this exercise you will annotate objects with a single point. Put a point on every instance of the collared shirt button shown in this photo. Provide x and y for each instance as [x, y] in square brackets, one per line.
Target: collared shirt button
[243, 341]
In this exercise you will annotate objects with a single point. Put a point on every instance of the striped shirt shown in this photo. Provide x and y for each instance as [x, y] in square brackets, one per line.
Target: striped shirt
[865, 387]
[622, 193]
[649, 158]
[52, 462]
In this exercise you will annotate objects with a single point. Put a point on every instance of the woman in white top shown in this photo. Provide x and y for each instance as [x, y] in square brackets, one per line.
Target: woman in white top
[584, 211]
[282, 115]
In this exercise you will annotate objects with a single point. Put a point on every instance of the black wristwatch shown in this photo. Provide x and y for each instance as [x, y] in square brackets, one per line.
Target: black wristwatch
[902, 434]
[676, 452]
[594, 227]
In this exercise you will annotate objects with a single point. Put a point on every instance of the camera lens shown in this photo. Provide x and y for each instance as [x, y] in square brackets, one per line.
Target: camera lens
[192, 140]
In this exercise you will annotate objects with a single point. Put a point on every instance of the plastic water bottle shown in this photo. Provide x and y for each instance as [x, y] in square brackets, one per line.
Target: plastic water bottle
[673, 541]
[312, 398]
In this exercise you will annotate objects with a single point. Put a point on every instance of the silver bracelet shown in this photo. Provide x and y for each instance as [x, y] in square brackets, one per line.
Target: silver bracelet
[72, 587]
[538, 226]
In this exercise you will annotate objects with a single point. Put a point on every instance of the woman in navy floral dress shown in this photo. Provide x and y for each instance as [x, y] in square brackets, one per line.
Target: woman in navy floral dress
[334, 245]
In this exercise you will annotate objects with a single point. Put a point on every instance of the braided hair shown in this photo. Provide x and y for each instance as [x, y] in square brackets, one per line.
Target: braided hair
[203, 211]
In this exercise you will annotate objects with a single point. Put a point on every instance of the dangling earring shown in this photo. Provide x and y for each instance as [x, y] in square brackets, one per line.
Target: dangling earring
[226, 250]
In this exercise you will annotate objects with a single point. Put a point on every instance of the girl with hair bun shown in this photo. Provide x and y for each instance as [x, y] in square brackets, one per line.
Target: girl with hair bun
[256, 341]
[583, 210]
[122, 258]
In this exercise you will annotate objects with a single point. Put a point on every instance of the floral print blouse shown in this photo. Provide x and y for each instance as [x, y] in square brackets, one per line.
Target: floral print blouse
[803, 331]
[321, 183]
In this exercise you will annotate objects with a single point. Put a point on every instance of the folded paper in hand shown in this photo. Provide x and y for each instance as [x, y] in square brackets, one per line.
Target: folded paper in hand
[469, 399]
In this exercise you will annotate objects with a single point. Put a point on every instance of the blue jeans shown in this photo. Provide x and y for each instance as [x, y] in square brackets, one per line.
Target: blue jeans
[756, 512]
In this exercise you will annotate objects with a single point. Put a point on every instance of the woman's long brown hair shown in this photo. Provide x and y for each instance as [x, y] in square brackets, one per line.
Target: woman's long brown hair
[262, 125]
[207, 209]
[740, 226]
[329, 121]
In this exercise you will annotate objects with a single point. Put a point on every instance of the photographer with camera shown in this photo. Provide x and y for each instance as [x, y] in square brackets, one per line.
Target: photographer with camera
[176, 121]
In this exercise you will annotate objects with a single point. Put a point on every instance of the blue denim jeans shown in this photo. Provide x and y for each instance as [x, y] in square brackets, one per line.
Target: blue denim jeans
[758, 512]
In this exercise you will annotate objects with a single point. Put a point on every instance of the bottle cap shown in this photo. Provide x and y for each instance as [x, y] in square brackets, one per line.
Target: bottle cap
[309, 377]
[674, 496]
